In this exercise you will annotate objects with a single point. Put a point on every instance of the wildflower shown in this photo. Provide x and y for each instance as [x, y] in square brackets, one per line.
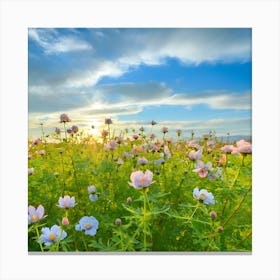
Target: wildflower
[88, 224]
[64, 118]
[119, 140]
[153, 122]
[92, 189]
[141, 180]
[179, 132]
[104, 133]
[213, 214]
[135, 136]
[206, 136]
[37, 141]
[108, 121]
[211, 144]
[110, 146]
[118, 222]
[195, 155]
[30, 171]
[166, 151]
[244, 147]
[142, 161]
[160, 161]
[152, 136]
[169, 139]
[202, 169]
[41, 152]
[204, 196]
[164, 130]
[66, 202]
[57, 130]
[50, 236]
[120, 161]
[222, 160]
[220, 228]
[128, 200]
[65, 221]
[141, 128]
[227, 149]
[69, 130]
[193, 144]
[34, 215]
[75, 129]
[126, 155]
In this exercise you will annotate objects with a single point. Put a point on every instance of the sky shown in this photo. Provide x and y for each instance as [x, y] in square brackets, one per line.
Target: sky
[183, 78]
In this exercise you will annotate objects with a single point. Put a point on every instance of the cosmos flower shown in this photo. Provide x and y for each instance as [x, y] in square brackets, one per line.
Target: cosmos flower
[64, 118]
[66, 202]
[104, 133]
[108, 121]
[179, 132]
[195, 155]
[202, 169]
[52, 235]
[91, 189]
[75, 129]
[88, 224]
[30, 171]
[244, 147]
[227, 148]
[41, 152]
[34, 215]
[204, 196]
[142, 161]
[141, 180]
[37, 141]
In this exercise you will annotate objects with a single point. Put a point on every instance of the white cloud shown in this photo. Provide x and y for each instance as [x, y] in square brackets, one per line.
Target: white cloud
[53, 43]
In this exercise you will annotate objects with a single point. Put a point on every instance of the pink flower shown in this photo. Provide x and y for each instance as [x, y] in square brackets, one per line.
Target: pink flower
[64, 118]
[141, 180]
[244, 147]
[164, 129]
[65, 221]
[195, 155]
[108, 121]
[35, 215]
[222, 160]
[227, 149]
[202, 169]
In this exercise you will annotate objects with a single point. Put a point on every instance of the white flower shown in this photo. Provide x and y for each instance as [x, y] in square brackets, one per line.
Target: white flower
[204, 195]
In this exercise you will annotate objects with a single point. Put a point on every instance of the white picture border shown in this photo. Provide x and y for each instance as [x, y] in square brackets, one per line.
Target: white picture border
[262, 16]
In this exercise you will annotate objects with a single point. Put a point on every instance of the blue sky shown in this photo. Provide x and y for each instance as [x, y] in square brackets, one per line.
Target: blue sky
[189, 78]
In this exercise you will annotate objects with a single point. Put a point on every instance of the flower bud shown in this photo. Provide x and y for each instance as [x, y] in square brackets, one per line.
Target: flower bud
[65, 221]
[220, 229]
[128, 200]
[213, 214]
[118, 222]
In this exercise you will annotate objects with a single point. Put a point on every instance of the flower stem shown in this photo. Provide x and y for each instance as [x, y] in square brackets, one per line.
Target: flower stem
[237, 207]
[144, 220]
[65, 131]
[38, 236]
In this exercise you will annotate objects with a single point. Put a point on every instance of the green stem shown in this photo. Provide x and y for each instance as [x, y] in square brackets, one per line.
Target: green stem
[144, 220]
[65, 132]
[237, 207]
[38, 236]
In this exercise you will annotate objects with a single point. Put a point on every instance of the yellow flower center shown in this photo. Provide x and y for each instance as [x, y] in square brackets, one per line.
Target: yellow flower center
[52, 236]
[34, 217]
[202, 196]
[143, 181]
[88, 226]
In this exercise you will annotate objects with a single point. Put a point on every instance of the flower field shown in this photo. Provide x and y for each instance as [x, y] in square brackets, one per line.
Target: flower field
[137, 190]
